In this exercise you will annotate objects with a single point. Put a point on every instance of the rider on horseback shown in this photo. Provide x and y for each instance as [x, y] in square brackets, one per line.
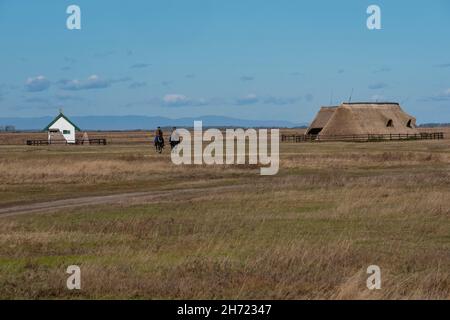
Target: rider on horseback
[159, 139]
[174, 138]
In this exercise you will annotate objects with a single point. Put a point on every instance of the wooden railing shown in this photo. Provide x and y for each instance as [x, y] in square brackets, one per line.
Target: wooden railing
[363, 137]
[77, 142]
[92, 141]
[37, 142]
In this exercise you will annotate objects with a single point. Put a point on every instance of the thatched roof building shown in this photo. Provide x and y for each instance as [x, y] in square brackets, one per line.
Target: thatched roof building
[363, 118]
[323, 116]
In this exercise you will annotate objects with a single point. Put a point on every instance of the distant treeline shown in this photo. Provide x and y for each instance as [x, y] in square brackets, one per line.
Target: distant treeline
[434, 125]
[7, 129]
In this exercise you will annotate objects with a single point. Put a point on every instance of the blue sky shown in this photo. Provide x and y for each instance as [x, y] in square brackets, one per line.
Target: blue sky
[246, 59]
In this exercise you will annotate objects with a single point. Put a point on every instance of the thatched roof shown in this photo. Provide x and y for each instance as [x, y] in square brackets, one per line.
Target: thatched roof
[321, 119]
[368, 118]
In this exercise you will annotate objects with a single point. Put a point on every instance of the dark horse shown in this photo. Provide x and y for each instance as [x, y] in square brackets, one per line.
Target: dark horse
[159, 144]
[173, 144]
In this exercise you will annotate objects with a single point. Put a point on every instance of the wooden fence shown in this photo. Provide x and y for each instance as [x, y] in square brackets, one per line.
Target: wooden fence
[363, 137]
[77, 142]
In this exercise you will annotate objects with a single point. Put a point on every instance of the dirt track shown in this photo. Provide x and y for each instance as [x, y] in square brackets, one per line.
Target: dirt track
[129, 198]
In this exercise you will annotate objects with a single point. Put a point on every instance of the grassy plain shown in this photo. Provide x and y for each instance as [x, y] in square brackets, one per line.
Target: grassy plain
[309, 232]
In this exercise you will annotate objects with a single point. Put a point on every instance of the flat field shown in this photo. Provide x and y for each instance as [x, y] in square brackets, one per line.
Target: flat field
[143, 228]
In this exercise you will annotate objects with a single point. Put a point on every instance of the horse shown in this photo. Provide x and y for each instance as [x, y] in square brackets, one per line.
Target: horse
[173, 144]
[159, 144]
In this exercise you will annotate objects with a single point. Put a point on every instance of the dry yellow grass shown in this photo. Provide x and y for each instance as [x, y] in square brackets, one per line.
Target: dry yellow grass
[308, 233]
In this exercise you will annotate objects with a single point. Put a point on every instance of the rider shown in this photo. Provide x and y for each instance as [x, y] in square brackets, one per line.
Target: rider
[174, 138]
[159, 136]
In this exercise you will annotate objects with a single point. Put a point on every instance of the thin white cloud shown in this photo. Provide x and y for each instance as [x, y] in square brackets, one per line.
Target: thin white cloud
[37, 84]
[175, 98]
[92, 82]
[180, 100]
[378, 86]
[442, 96]
[250, 98]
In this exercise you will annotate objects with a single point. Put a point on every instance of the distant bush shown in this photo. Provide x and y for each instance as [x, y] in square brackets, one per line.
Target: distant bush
[434, 125]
